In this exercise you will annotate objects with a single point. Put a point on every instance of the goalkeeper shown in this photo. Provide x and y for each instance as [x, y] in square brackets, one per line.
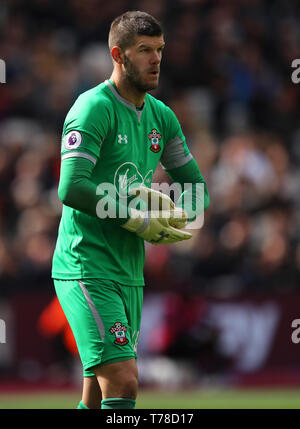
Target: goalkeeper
[117, 133]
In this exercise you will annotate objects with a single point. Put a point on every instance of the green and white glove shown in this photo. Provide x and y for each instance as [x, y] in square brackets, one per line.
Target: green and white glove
[161, 222]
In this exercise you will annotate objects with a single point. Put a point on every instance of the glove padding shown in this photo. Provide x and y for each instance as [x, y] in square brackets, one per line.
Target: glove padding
[161, 222]
[160, 205]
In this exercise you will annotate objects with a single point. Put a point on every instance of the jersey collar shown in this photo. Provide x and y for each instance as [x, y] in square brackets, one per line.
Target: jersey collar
[127, 103]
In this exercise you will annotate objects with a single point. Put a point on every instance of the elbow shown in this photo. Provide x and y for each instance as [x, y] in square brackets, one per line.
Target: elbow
[63, 195]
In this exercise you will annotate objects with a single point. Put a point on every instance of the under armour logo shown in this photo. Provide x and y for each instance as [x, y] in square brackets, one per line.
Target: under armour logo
[122, 140]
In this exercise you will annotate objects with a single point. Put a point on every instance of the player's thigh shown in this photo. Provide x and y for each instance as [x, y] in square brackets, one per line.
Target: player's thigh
[133, 303]
[81, 319]
[111, 307]
[96, 311]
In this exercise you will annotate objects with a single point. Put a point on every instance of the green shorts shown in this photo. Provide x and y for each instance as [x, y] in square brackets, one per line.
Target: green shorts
[105, 318]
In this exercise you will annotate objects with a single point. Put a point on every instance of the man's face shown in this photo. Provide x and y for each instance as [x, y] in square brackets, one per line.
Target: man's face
[142, 62]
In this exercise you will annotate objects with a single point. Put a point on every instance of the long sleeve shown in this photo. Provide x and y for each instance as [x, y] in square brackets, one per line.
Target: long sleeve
[77, 190]
[195, 197]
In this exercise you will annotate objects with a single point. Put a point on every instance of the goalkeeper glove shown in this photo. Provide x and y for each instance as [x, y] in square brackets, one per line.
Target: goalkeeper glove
[157, 202]
[161, 224]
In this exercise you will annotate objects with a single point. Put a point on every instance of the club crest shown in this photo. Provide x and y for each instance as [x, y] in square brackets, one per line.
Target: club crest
[120, 333]
[154, 138]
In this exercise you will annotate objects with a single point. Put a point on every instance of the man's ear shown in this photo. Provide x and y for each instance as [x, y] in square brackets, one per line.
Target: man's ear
[116, 54]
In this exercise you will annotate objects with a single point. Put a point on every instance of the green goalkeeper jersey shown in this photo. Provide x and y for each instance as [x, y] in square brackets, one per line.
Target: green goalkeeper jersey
[124, 145]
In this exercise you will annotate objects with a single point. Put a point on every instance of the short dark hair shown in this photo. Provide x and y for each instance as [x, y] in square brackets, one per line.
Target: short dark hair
[127, 26]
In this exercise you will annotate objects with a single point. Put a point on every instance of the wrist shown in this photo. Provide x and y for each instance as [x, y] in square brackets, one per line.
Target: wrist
[137, 222]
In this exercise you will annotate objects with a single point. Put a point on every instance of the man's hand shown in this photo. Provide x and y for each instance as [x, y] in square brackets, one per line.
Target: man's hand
[158, 203]
[161, 222]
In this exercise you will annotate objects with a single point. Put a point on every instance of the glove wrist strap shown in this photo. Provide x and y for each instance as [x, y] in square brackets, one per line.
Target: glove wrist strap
[137, 221]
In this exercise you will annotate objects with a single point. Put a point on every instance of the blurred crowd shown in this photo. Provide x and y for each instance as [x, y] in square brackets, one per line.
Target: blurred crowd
[226, 73]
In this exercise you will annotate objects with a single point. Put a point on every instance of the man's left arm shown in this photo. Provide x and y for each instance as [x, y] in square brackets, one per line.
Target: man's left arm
[194, 197]
[181, 167]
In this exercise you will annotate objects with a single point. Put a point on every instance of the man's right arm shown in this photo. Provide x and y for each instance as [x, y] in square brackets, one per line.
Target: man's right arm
[77, 190]
[82, 138]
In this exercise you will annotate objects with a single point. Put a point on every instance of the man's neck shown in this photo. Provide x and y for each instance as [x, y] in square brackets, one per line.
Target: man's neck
[128, 92]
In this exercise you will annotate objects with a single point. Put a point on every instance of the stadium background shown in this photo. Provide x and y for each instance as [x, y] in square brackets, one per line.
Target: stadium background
[218, 309]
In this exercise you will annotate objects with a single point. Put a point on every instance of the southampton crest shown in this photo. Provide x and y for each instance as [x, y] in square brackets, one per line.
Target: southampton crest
[120, 334]
[154, 138]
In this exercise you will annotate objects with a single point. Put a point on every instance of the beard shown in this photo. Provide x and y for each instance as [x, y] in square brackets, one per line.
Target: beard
[133, 76]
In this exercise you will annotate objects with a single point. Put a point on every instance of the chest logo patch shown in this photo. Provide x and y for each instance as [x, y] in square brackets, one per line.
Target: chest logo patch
[154, 138]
